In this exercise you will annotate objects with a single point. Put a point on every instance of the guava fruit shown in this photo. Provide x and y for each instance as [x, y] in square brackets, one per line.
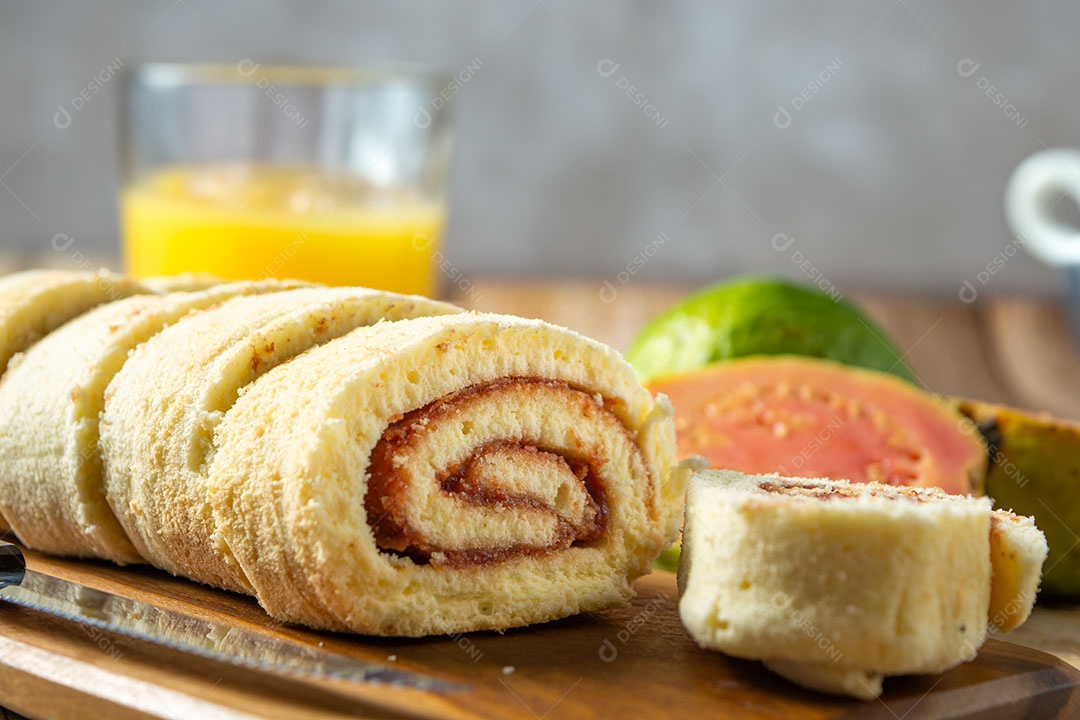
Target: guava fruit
[669, 559]
[1035, 470]
[761, 316]
[807, 417]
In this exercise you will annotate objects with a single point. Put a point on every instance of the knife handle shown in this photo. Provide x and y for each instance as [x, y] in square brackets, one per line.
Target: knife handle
[11, 558]
[12, 565]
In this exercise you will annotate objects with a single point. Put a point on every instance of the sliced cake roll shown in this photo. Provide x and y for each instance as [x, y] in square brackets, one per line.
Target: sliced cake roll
[36, 302]
[835, 585]
[51, 484]
[1018, 552]
[163, 407]
[444, 475]
[358, 460]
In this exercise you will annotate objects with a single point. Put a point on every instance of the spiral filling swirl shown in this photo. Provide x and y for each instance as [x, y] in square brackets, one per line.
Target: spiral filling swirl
[463, 480]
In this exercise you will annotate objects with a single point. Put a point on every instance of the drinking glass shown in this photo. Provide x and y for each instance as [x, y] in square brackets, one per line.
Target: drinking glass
[247, 171]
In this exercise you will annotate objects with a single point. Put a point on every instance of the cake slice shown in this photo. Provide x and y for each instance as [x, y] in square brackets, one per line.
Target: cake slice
[33, 303]
[1018, 550]
[835, 585]
[51, 483]
[445, 474]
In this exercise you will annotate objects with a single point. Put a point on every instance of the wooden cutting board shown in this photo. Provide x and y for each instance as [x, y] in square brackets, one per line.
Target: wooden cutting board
[630, 662]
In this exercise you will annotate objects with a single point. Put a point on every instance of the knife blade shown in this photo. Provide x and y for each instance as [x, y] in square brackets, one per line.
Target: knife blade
[176, 630]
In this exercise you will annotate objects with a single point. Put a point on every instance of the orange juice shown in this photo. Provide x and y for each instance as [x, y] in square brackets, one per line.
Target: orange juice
[251, 222]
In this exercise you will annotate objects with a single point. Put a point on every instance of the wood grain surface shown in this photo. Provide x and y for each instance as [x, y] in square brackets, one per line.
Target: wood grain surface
[632, 662]
[1016, 351]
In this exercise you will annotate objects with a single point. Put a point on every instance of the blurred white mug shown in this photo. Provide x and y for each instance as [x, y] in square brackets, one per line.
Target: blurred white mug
[1036, 186]
[1035, 189]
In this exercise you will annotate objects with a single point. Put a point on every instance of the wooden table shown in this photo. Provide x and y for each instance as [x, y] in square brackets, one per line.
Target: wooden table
[1014, 350]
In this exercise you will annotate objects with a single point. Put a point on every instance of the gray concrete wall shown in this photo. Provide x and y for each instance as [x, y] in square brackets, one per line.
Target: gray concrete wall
[844, 126]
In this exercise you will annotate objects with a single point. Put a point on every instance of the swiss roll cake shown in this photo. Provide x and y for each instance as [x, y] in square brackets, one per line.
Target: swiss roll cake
[835, 585]
[444, 475]
[357, 460]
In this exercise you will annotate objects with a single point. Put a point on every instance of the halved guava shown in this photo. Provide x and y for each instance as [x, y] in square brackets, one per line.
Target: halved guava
[1035, 470]
[761, 316]
[806, 417]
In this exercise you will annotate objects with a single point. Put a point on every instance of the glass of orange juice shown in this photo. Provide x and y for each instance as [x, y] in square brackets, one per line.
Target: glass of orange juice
[248, 171]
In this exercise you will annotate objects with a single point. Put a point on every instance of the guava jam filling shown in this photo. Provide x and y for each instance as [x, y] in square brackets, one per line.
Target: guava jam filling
[563, 505]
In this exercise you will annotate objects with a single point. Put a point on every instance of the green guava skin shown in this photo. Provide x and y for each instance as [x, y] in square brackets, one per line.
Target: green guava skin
[1035, 470]
[761, 316]
[669, 559]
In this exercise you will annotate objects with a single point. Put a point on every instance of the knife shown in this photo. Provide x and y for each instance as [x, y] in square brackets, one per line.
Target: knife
[178, 631]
